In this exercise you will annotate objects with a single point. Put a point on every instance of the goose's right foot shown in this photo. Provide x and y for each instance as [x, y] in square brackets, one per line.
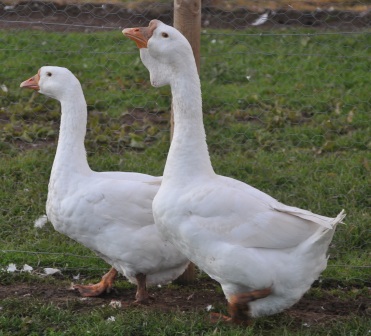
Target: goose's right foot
[238, 307]
[142, 296]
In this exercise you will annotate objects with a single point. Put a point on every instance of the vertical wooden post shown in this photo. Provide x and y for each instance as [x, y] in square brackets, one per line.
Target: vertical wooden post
[187, 19]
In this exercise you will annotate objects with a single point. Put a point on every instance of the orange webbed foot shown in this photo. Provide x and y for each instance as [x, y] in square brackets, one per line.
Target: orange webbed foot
[142, 296]
[238, 308]
[238, 305]
[105, 285]
[217, 317]
[91, 290]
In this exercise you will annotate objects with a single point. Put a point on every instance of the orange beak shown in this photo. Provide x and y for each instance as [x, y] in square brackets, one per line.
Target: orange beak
[141, 35]
[32, 83]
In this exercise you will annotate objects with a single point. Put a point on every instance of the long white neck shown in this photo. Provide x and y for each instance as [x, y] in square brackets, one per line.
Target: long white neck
[188, 155]
[71, 154]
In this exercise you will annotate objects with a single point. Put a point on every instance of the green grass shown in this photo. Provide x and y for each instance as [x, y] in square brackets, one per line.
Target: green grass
[297, 128]
[56, 321]
[74, 316]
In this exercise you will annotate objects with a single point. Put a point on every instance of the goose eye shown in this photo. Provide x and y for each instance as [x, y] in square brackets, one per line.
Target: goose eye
[49, 74]
[165, 35]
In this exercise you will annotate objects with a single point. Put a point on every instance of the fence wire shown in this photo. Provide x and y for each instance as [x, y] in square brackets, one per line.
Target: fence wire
[286, 100]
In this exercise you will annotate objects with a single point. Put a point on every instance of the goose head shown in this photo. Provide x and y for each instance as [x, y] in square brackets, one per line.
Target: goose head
[55, 82]
[163, 50]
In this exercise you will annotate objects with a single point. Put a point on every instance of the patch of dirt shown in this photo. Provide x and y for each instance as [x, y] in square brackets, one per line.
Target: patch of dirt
[328, 308]
[197, 296]
[136, 121]
[66, 16]
[309, 310]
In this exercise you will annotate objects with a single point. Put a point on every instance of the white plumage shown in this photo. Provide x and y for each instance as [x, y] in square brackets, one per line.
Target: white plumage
[108, 212]
[264, 254]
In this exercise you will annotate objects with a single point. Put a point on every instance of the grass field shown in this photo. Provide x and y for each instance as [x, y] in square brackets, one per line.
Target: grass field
[286, 112]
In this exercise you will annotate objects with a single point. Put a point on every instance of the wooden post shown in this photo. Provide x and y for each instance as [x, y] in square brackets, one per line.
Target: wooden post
[187, 19]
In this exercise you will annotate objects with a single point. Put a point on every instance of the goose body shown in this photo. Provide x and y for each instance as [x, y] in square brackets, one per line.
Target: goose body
[264, 254]
[108, 212]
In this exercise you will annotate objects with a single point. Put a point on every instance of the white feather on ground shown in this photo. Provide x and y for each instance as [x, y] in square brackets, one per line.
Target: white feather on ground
[40, 222]
[261, 19]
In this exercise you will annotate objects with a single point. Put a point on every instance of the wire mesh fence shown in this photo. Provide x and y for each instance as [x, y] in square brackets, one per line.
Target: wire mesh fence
[286, 101]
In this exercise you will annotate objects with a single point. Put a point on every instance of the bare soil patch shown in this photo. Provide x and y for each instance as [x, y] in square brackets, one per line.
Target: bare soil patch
[196, 297]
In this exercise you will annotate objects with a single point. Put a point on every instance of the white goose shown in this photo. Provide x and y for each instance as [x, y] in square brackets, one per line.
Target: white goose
[264, 254]
[108, 212]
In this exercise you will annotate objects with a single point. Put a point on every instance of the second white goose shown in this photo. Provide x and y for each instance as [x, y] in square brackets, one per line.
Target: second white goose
[108, 212]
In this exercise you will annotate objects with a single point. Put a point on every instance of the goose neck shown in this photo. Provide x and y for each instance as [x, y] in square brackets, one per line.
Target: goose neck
[188, 154]
[71, 153]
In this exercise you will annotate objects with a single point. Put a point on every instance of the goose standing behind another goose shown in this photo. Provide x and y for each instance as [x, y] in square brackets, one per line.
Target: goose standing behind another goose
[264, 254]
[108, 212]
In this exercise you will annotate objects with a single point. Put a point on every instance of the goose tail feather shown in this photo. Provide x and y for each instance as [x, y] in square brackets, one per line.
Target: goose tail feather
[324, 221]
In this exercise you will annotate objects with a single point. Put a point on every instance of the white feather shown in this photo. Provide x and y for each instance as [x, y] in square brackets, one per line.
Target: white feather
[261, 19]
[41, 221]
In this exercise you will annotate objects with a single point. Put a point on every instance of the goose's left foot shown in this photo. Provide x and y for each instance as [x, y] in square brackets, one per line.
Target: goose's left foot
[105, 285]
[238, 307]
[142, 296]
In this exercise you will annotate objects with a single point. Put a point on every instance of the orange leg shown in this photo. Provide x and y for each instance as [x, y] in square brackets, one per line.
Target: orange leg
[238, 307]
[104, 285]
[142, 295]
